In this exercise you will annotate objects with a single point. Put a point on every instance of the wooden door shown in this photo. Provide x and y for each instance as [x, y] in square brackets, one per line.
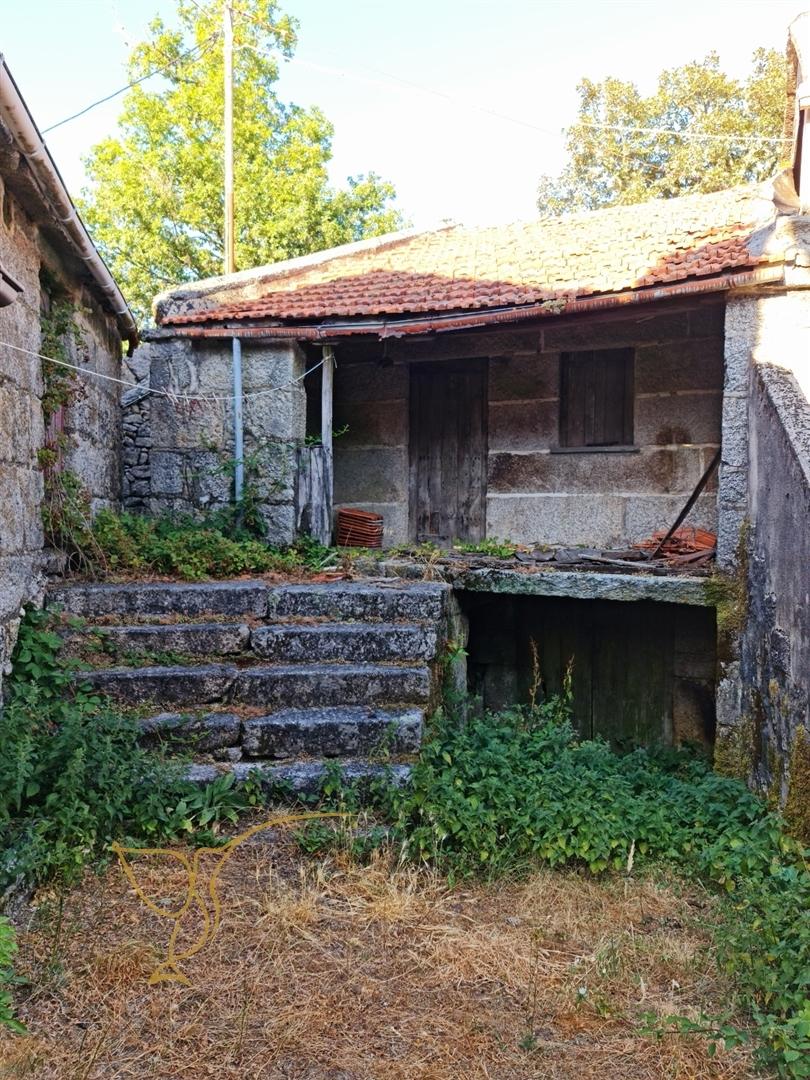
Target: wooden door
[448, 447]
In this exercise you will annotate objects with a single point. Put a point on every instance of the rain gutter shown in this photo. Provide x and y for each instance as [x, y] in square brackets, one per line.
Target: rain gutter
[385, 328]
[28, 141]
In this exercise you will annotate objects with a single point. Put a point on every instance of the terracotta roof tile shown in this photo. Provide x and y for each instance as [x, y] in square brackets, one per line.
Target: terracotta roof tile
[461, 269]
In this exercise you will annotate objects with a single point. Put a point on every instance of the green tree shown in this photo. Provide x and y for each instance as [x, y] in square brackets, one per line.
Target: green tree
[609, 165]
[155, 199]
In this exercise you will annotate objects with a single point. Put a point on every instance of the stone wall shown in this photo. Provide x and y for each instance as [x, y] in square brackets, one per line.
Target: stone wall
[775, 645]
[371, 458]
[22, 430]
[91, 421]
[178, 449]
[763, 605]
[535, 493]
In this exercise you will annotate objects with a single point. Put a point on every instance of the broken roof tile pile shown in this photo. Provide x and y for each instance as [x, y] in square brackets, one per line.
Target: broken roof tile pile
[468, 269]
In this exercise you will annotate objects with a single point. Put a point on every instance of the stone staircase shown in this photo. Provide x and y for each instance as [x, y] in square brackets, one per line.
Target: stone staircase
[278, 679]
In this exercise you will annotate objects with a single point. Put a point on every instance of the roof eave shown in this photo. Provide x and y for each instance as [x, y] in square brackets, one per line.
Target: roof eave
[18, 119]
[400, 326]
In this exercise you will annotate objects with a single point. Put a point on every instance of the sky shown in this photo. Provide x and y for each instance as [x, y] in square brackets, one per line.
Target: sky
[461, 103]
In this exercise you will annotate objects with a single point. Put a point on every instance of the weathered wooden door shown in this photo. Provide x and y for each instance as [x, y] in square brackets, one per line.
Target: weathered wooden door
[448, 448]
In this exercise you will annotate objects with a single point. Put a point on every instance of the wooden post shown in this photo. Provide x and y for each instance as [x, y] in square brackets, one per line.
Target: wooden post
[229, 260]
[327, 397]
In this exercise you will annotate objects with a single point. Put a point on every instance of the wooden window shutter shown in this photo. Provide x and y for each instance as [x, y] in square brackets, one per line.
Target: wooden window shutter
[596, 398]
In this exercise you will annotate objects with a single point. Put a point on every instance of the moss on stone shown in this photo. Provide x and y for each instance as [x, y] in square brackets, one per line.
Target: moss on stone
[797, 804]
[727, 593]
[734, 750]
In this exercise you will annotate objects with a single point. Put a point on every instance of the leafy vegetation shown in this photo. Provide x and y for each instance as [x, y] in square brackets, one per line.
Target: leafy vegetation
[617, 156]
[73, 777]
[498, 549]
[154, 232]
[492, 793]
[8, 949]
[179, 546]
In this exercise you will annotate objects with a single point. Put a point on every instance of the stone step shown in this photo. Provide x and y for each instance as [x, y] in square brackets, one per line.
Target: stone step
[289, 733]
[301, 777]
[234, 598]
[206, 733]
[332, 732]
[296, 642]
[187, 639]
[422, 602]
[190, 685]
[331, 684]
[265, 686]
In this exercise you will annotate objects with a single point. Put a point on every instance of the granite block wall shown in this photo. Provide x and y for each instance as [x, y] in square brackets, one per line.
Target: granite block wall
[178, 428]
[537, 494]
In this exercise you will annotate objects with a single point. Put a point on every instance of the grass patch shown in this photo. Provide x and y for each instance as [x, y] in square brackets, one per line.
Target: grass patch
[336, 968]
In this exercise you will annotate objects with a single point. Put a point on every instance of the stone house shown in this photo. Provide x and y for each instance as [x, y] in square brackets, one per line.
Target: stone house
[561, 384]
[50, 274]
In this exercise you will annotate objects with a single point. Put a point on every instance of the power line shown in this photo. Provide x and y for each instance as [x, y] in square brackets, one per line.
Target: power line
[218, 399]
[464, 103]
[623, 129]
[122, 90]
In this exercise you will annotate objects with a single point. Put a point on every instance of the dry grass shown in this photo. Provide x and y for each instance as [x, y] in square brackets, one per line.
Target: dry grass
[328, 970]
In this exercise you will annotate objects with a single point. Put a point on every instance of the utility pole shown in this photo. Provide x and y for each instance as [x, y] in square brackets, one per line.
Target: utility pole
[230, 260]
[227, 38]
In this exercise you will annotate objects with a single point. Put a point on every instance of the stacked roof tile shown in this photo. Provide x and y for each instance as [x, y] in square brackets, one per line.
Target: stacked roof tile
[465, 269]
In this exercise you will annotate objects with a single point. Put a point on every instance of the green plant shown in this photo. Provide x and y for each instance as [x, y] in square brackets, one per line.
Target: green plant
[73, 776]
[494, 792]
[8, 949]
[185, 547]
[497, 549]
[58, 331]
[179, 547]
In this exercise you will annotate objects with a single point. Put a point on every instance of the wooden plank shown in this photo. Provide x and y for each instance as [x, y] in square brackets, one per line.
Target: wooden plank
[448, 451]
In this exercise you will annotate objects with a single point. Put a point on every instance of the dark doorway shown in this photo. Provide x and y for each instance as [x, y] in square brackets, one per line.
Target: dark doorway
[642, 673]
[448, 440]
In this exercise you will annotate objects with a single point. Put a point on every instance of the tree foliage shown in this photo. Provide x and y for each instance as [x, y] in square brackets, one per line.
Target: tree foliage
[155, 200]
[607, 166]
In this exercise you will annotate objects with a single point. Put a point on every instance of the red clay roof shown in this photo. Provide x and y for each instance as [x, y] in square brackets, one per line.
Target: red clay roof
[463, 269]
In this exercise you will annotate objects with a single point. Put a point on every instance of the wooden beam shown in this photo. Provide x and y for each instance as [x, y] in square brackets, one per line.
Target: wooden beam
[327, 408]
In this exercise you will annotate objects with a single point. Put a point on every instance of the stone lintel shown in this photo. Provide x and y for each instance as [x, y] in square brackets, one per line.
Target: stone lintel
[589, 585]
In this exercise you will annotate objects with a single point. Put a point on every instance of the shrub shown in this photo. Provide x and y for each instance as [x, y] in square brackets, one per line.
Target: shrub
[73, 777]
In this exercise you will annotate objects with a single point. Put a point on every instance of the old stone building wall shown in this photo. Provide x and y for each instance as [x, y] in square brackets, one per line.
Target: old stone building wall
[91, 426]
[21, 426]
[535, 493]
[775, 652]
[178, 449]
[763, 698]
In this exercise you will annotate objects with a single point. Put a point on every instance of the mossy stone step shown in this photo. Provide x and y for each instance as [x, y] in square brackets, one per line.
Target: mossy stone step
[363, 642]
[422, 602]
[332, 732]
[265, 686]
[302, 777]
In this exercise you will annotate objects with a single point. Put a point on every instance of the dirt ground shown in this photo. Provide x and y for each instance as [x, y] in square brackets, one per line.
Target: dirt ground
[325, 969]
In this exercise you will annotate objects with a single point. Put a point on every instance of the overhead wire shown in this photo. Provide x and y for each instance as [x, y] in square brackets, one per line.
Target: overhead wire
[170, 394]
[464, 103]
[624, 129]
[199, 48]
